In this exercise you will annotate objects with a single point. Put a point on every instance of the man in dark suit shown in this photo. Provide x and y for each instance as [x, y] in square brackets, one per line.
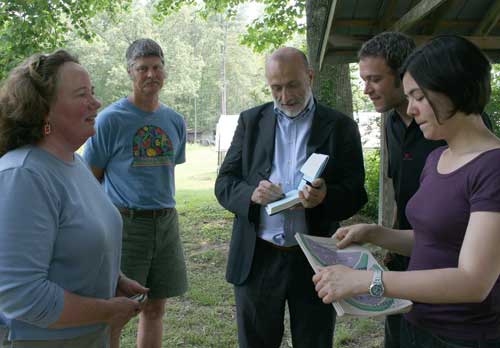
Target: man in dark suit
[271, 143]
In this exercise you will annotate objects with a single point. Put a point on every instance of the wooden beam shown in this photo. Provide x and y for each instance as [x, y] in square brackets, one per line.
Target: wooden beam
[489, 21]
[333, 6]
[386, 19]
[436, 20]
[344, 49]
[359, 23]
[341, 57]
[442, 24]
[485, 43]
[346, 42]
[351, 56]
[417, 13]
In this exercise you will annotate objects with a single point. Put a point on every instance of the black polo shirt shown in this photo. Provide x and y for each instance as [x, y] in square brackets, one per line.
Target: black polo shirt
[407, 152]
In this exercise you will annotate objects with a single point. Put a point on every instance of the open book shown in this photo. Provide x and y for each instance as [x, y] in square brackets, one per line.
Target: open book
[321, 252]
[311, 170]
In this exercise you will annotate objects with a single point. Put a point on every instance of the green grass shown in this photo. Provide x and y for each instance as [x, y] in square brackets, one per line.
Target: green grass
[199, 171]
[205, 316]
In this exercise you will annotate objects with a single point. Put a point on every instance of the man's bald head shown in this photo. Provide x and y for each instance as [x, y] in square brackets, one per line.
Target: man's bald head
[290, 78]
[288, 54]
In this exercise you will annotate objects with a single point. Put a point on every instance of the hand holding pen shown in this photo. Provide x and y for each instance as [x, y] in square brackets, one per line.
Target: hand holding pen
[267, 192]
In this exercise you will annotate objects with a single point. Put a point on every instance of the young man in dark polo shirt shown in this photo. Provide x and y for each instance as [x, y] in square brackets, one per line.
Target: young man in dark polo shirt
[380, 59]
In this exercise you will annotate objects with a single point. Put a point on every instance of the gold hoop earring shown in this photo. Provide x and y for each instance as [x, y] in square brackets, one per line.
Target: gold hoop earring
[47, 128]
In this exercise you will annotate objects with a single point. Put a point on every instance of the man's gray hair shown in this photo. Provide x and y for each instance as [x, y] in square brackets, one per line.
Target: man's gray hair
[394, 47]
[143, 48]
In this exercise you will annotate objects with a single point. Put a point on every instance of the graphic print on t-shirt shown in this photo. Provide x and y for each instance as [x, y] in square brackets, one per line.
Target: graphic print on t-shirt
[152, 147]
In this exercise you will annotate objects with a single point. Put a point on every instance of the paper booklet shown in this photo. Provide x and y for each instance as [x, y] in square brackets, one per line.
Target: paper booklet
[311, 170]
[321, 252]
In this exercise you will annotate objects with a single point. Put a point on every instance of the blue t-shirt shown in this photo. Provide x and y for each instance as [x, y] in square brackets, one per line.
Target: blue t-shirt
[138, 151]
[439, 213]
[58, 231]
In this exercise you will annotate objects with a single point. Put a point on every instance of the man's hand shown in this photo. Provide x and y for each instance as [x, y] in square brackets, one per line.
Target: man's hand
[266, 192]
[314, 194]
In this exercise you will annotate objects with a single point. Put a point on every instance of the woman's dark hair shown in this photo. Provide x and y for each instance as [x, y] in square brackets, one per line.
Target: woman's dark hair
[453, 66]
[25, 99]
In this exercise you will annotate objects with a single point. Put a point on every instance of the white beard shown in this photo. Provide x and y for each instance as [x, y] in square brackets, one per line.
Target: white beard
[291, 113]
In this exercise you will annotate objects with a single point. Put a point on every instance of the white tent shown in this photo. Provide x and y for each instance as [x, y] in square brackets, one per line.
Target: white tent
[369, 129]
[224, 135]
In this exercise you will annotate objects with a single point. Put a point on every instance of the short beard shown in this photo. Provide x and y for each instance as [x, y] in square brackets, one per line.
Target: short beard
[293, 114]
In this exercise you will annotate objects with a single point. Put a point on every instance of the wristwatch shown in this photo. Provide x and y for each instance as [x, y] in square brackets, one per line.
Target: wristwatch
[377, 287]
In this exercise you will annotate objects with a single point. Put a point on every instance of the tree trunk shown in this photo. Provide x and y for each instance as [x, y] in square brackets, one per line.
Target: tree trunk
[332, 85]
[335, 88]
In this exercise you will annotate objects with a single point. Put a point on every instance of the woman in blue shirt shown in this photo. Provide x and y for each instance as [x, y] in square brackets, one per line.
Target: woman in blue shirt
[60, 236]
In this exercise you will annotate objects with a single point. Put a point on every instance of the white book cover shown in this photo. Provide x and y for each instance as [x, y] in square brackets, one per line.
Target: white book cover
[312, 169]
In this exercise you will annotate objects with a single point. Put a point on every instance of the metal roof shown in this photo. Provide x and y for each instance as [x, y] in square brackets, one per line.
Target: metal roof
[352, 22]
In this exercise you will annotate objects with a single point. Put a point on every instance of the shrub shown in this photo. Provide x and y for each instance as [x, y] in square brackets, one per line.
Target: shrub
[372, 169]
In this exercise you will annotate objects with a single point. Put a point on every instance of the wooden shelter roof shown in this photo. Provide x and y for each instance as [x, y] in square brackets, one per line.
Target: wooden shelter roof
[352, 22]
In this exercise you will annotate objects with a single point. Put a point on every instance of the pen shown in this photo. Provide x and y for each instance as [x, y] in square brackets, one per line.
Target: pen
[265, 177]
[308, 183]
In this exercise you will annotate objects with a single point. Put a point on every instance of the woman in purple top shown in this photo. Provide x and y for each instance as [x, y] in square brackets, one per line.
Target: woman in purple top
[453, 277]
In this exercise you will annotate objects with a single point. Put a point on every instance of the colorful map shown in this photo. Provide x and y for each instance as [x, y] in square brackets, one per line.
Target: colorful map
[326, 256]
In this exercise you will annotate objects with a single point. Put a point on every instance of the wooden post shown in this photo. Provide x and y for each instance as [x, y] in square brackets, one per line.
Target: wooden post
[386, 203]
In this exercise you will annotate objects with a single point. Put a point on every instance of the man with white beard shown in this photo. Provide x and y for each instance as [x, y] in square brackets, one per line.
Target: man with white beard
[271, 143]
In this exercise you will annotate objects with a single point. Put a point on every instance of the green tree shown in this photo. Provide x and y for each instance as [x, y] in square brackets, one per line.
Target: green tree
[493, 107]
[372, 170]
[278, 25]
[360, 101]
[193, 53]
[33, 26]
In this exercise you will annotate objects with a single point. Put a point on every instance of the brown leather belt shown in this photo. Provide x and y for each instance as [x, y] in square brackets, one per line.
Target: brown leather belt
[144, 213]
[279, 247]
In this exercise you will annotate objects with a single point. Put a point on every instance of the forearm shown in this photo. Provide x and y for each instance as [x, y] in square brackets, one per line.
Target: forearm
[448, 285]
[79, 311]
[399, 241]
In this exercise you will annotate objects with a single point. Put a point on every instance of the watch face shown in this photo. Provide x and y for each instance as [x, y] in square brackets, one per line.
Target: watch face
[376, 290]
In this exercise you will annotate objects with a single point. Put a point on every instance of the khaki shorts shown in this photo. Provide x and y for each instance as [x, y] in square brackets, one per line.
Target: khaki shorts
[152, 254]
[97, 339]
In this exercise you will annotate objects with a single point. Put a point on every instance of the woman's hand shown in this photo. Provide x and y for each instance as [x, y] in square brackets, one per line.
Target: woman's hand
[122, 309]
[128, 287]
[359, 233]
[337, 282]
[125, 307]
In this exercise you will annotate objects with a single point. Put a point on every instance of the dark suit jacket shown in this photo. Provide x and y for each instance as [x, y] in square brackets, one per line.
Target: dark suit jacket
[249, 160]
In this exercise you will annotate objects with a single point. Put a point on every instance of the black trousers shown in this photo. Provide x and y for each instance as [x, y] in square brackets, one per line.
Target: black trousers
[394, 262]
[416, 337]
[277, 277]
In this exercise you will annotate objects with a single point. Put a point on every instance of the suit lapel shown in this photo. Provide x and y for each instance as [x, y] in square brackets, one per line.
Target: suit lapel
[267, 131]
[321, 128]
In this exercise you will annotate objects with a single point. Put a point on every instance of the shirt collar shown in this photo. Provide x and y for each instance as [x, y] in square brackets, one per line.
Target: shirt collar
[396, 118]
